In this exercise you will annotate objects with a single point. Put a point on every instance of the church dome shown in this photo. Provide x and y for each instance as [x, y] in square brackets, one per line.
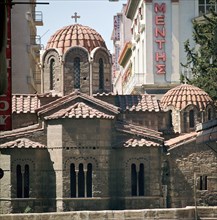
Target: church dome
[184, 95]
[76, 35]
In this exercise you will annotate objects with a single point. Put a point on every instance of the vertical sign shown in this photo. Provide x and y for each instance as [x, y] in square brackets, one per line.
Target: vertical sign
[117, 22]
[160, 35]
[5, 98]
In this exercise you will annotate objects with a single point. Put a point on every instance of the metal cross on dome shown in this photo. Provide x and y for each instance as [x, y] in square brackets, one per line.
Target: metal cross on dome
[76, 16]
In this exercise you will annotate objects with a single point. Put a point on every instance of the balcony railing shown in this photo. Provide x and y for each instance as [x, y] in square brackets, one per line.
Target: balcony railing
[35, 40]
[38, 18]
[136, 80]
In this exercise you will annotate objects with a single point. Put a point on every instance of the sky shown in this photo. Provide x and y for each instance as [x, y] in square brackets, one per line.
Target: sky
[97, 14]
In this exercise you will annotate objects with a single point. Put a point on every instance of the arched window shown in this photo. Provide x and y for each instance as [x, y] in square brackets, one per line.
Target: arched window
[81, 180]
[52, 66]
[19, 182]
[141, 180]
[72, 180]
[26, 181]
[209, 114]
[133, 180]
[191, 118]
[89, 180]
[77, 72]
[170, 119]
[101, 74]
[81, 183]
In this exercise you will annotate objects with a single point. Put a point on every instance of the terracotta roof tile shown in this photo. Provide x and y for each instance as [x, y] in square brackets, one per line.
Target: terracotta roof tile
[181, 139]
[184, 95]
[79, 110]
[138, 103]
[37, 129]
[25, 103]
[140, 143]
[69, 36]
[22, 143]
[139, 131]
[142, 102]
[83, 98]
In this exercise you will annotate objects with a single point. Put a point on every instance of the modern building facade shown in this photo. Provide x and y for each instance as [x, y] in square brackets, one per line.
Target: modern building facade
[26, 47]
[120, 36]
[159, 30]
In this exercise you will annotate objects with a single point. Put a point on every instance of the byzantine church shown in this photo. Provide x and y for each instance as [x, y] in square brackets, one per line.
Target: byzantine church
[79, 146]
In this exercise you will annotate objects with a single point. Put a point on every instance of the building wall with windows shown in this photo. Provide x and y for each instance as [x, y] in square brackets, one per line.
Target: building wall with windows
[26, 45]
[120, 36]
[159, 30]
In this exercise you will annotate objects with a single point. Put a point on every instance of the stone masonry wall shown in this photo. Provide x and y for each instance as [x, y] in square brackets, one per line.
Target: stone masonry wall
[188, 164]
[187, 213]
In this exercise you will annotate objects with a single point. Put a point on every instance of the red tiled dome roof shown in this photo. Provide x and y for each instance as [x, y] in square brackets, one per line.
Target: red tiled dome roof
[76, 35]
[184, 95]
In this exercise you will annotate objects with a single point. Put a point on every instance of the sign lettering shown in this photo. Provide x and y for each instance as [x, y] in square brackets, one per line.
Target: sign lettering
[160, 35]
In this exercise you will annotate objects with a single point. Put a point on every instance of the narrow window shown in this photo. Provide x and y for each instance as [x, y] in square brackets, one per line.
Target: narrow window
[26, 182]
[77, 72]
[81, 181]
[191, 118]
[141, 180]
[170, 119]
[101, 74]
[209, 114]
[203, 183]
[19, 182]
[72, 180]
[133, 180]
[89, 180]
[52, 66]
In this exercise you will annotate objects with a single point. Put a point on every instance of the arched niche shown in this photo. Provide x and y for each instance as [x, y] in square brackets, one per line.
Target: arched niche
[76, 70]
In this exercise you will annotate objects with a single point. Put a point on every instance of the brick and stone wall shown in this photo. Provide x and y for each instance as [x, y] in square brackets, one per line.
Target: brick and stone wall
[187, 165]
[187, 213]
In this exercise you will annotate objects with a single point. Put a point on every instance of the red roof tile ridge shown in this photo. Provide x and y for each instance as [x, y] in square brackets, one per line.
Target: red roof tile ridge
[134, 142]
[73, 96]
[21, 131]
[22, 143]
[139, 130]
[79, 110]
[182, 138]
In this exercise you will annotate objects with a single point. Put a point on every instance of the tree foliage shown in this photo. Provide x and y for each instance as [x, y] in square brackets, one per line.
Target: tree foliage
[202, 59]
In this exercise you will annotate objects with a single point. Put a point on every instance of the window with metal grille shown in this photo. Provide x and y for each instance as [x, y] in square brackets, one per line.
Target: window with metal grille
[101, 74]
[77, 72]
[52, 66]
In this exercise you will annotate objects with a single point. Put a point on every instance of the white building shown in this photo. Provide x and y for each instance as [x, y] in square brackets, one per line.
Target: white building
[120, 36]
[159, 29]
[26, 47]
